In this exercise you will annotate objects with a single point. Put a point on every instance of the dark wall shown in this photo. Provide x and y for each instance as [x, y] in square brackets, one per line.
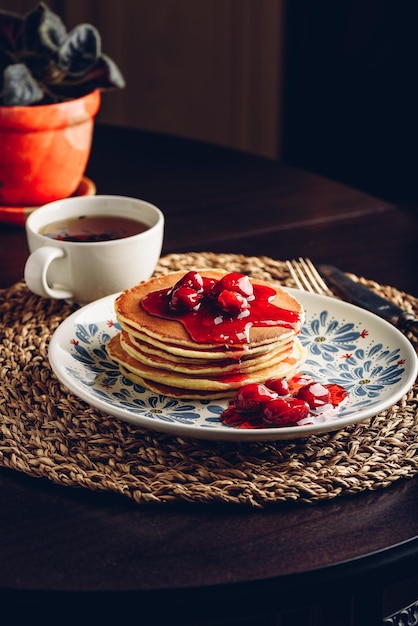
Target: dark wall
[351, 103]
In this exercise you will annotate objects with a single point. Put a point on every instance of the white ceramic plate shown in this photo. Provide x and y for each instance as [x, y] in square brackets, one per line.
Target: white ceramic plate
[344, 344]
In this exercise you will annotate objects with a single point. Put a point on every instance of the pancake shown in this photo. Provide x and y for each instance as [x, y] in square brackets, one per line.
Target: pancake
[176, 392]
[203, 351]
[200, 367]
[225, 382]
[209, 350]
[168, 331]
[188, 356]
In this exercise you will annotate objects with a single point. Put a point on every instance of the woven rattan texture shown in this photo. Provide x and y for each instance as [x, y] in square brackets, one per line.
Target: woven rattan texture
[47, 432]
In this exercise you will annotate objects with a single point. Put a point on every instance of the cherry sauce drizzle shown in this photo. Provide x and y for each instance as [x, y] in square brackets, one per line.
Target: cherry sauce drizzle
[231, 416]
[209, 324]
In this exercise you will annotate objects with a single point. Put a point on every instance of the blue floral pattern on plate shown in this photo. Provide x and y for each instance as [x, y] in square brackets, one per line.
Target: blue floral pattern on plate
[343, 344]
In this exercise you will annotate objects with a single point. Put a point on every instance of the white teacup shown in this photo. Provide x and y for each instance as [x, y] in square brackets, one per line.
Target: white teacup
[84, 271]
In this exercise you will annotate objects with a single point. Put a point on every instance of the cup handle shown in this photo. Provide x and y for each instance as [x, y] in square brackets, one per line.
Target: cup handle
[36, 270]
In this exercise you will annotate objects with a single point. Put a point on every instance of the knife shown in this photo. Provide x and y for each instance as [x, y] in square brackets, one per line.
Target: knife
[367, 299]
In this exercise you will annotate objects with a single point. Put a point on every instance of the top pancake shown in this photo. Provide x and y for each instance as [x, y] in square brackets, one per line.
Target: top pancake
[130, 312]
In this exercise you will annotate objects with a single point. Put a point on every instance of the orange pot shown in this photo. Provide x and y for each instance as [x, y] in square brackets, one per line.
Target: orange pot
[44, 150]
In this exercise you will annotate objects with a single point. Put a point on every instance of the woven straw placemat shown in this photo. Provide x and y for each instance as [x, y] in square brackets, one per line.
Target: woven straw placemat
[47, 432]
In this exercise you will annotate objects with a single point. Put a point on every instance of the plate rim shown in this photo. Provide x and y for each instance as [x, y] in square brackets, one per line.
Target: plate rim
[229, 433]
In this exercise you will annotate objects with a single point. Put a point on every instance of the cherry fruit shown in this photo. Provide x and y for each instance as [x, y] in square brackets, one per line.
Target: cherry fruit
[234, 281]
[252, 398]
[285, 412]
[280, 402]
[314, 394]
[184, 299]
[279, 385]
[337, 394]
[232, 302]
[191, 279]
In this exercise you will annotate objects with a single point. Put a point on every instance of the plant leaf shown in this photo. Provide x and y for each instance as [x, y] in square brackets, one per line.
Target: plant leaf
[11, 32]
[105, 74]
[43, 69]
[44, 30]
[19, 87]
[80, 49]
[59, 65]
[52, 31]
[32, 21]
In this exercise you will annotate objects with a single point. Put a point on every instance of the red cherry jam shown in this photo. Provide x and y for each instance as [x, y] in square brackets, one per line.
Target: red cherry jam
[219, 311]
[278, 403]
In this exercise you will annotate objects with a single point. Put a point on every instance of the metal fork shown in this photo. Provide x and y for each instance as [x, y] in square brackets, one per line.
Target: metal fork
[307, 277]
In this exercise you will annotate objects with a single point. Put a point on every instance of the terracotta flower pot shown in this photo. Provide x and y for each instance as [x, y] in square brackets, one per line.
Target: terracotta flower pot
[44, 150]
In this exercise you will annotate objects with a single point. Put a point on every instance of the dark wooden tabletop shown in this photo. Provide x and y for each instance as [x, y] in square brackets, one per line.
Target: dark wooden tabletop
[74, 556]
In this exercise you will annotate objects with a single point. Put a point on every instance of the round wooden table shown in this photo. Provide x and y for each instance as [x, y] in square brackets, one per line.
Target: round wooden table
[75, 556]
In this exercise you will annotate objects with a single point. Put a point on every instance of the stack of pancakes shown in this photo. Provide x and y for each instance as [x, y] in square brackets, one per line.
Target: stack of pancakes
[160, 355]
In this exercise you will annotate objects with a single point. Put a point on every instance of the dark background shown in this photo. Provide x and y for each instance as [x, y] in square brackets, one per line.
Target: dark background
[351, 99]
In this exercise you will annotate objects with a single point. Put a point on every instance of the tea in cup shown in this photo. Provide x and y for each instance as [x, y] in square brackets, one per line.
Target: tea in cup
[85, 248]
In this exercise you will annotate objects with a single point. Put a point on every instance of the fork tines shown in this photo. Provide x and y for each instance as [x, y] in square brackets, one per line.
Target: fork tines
[307, 277]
